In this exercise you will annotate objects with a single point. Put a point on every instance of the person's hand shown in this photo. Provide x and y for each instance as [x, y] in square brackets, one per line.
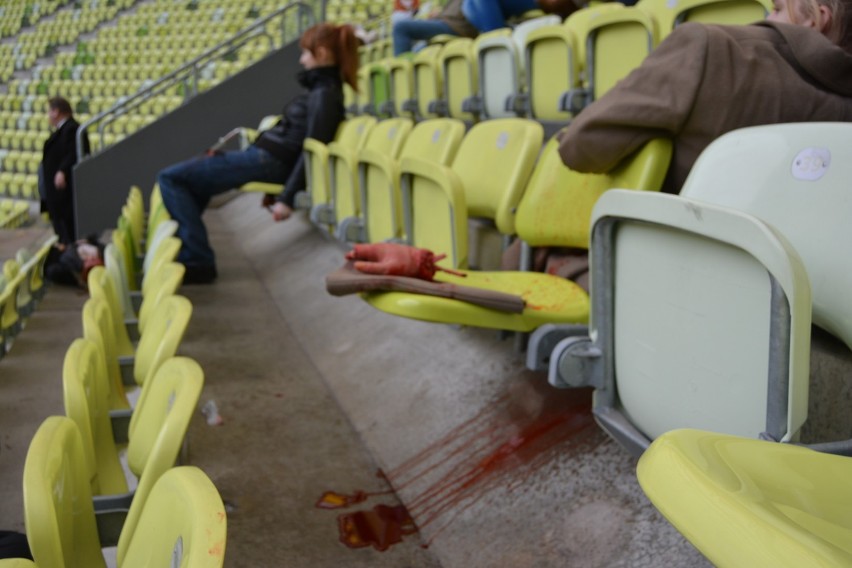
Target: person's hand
[280, 211]
[59, 180]
[267, 201]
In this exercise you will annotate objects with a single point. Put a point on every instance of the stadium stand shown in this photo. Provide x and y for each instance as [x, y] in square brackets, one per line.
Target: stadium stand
[402, 169]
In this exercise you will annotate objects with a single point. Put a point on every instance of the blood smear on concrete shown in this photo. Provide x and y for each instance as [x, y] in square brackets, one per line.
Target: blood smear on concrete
[380, 528]
[502, 446]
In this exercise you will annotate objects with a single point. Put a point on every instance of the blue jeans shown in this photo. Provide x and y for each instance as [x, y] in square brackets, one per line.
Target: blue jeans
[488, 15]
[406, 32]
[187, 188]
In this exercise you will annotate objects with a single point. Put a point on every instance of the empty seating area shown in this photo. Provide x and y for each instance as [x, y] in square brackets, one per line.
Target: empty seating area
[22, 283]
[120, 398]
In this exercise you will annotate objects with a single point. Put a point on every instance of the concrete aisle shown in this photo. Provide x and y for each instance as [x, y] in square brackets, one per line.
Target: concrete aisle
[31, 390]
[496, 467]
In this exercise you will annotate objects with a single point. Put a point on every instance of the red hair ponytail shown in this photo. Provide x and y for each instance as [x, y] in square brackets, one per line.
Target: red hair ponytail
[341, 43]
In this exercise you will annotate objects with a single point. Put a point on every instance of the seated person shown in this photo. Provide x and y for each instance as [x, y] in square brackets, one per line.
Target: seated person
[449, 21]
[706, 80]
[468, 18]
[489, 15]
[329, 57]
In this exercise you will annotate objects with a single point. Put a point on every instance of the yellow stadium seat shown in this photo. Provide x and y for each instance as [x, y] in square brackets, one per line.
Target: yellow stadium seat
[318, 198]
[435, 141]
[745, 502]
[555, 211]
[348, 197]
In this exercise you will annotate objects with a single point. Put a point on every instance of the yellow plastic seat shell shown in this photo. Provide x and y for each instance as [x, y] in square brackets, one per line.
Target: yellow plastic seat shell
[85, 386]
[554, 211]
[16, 563]
[183, 520]
[549, 298]
[745, 502]
[58, 500]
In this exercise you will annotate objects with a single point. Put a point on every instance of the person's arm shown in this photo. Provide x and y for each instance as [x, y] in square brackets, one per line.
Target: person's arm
[323, 119]
[69, 143]
[654, 101]
[562, 8]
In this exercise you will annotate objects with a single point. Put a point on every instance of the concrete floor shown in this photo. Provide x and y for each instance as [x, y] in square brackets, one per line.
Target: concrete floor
[320, 393]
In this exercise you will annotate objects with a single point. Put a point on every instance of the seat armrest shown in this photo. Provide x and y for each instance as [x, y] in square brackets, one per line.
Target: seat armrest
[120, 425]
[314, 146]
[109, 522]
[125, 365]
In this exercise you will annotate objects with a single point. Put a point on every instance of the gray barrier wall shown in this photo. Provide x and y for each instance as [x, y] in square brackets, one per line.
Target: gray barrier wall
[102, 181]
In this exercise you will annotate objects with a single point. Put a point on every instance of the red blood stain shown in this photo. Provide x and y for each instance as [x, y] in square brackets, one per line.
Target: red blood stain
[335, 500]
[501, 447]
[382, 527]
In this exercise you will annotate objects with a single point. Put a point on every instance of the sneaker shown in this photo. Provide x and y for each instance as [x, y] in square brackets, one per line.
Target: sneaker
[199, 274]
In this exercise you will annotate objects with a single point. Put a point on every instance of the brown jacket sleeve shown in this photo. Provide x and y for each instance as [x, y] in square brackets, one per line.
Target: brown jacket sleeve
[653, 101]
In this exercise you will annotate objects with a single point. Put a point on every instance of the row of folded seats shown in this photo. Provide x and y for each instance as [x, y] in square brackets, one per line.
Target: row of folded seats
[699, 311]
[543, 68]
[126, 392]
[21, 286]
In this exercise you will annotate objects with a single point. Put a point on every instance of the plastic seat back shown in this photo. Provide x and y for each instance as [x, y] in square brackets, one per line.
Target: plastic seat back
[85, 388]
[486, 179]
[428, 81]
[157, 431]
[380, 94]
[556, 208]
[98, 328]
[618, 42]
[717, 297]
[552, 69]
[581, 21]
[500, 78]
[732, 12]
[25, 296]
[349, 135]
[799, 188]
[401, 78]
[183, 523]
[122, 241]
[162, 336]
[386, 139]
[37, 278]
[58, 510]
[166, 228]
[162, 283]
[365, 92]
[16, 563]
[114, 264]
[744, 502]
[165, 253]
[10, 319]
[102, 285]
[434, 140]
[461, 77]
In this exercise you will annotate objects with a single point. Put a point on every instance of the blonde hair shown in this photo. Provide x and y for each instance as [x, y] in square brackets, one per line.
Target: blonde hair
[839, 30]
[341, 42]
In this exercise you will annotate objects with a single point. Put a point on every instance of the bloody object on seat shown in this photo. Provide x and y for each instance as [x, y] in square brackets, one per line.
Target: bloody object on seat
[397, 260]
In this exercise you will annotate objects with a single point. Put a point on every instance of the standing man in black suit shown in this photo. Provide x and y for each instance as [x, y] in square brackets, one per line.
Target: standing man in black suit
[60, 155]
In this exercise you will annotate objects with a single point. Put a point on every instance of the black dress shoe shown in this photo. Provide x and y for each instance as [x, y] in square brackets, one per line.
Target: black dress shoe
[199, 274]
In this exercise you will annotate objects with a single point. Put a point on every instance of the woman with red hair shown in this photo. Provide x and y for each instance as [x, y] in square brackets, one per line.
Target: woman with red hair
[329, 57]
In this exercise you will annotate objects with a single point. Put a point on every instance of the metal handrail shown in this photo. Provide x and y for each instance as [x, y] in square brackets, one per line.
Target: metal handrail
[192, 68]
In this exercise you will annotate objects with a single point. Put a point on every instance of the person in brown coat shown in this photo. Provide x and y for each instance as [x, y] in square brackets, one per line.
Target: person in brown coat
[706, 80]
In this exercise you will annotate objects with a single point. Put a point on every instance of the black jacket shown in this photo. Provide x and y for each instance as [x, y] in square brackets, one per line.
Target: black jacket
[60, 154]
[314, 114]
